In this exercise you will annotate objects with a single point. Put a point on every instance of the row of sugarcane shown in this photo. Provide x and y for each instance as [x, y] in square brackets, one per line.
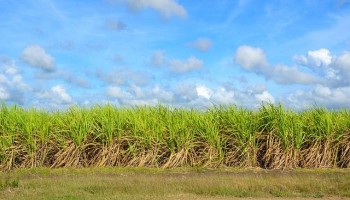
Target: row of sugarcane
[161, 136]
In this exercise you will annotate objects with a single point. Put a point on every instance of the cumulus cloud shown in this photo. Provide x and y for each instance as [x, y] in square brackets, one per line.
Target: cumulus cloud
[321, 95]
[318, 58]
[334, 90]
[194, 95]
[158, 59]
[56, 95]
[192, 63]
[135, 95]
[162, 95]
[265, 96]
[203, 91]
[337, 74]
[250, 57]
[334, 69]
[186, 91]
[189, 93]
[137, 91]
[202, 44]
[288, 75]
[60, 94]
[223, 96]
[257, 88]
[322, 91]
[12, 85]
[166, 8]
[341, 64]
[117, 92]
[4, 94]
[36, 56]
[254, 60]
[203, 96]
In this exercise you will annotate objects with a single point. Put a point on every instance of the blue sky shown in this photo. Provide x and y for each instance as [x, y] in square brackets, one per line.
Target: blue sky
[58, 53]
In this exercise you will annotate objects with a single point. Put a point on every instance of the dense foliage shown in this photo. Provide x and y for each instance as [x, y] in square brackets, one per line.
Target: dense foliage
[270, 137]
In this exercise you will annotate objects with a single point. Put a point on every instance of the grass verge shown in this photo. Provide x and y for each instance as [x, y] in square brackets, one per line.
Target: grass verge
[177, 183]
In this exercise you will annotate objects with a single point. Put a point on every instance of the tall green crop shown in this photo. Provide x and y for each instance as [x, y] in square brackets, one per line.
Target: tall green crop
[163, 136]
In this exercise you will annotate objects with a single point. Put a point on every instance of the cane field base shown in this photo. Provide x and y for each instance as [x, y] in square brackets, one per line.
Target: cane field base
[160, 152]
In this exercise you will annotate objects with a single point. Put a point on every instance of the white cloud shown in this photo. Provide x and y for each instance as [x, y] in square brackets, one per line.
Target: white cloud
[223, 96]
[202, 44]
[202, 96]
[335, 70]
[117, 92]
[161, 94]
[318, 58]
[159, 59]
[286, 75]
[186, 91]
[12, 84]
[203, 91]
[134, 95]
[17, 81]
[332, 74]
[60, 95]
[191, 63]
[322, 91]
[189, 93]
[250, 57]
[36, 56]
[321, 95]
[342, 63]
[257, 88]
[341, 96]
[55, 97]
[137, 91]
[265, 96]
[254, 59]
[11, 70]
[333, 91]
[4, 95]
[166, 7]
